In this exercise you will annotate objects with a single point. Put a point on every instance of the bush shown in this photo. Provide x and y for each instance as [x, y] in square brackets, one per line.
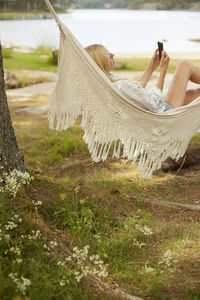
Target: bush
[7, 53]
[54, 58]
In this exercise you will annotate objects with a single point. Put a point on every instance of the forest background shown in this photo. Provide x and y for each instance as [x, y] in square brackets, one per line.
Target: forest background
[21, 5]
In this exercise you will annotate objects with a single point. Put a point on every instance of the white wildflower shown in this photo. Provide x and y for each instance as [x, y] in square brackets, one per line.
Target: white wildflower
[167, 260]
[145, 230]
[21, 283]
[10, 225]
[149, 269]
[7, 236]
[19, 260]
[15, 250]
[61, 263]
[95, 267]
[14, 180]
[68, 258]
[51, 246]
[136, 243]
[62, 283]
[37, 203]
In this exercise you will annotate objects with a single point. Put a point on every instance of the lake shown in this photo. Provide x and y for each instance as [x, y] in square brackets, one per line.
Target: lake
[121, 31]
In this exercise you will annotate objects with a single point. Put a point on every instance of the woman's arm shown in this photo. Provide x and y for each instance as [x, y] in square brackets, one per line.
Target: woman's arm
[154, 63]
[163, 70]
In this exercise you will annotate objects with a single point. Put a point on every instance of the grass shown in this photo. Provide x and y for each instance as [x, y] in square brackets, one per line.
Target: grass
[26, 243]
[150, 251]
[23, 15]
[42, 59]
[29, 61]
[140, 64]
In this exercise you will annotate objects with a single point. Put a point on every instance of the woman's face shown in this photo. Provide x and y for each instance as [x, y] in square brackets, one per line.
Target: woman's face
[111, 60]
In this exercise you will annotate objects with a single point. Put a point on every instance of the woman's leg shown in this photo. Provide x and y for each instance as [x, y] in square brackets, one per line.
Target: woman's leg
[190, 95]
[185, 71]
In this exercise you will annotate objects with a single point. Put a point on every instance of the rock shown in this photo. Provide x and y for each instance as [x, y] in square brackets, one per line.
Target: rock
[191, 157]
[11, 80]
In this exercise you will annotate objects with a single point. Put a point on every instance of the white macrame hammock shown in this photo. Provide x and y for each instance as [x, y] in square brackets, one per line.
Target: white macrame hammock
[108, 118]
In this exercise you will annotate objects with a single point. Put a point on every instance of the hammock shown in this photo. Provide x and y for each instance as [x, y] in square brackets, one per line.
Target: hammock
[110, 119]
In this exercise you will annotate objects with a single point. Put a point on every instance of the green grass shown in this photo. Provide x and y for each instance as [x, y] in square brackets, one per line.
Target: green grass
[25, 254]
[140, 64]
[35, 61]
[29, 61]
[20, 15]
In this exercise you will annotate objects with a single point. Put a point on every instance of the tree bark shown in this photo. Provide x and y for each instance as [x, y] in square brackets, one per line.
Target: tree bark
[10, 158]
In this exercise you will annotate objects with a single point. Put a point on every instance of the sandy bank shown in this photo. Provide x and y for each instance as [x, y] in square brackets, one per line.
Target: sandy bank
[175, 55]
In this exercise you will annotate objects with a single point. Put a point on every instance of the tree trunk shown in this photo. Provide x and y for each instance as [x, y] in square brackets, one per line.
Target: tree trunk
[10, 157]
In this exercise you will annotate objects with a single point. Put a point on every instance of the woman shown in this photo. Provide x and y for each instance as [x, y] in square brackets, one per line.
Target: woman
[153, 100]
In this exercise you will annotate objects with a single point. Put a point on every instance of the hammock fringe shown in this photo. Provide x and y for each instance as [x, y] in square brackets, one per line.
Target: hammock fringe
[132, 149]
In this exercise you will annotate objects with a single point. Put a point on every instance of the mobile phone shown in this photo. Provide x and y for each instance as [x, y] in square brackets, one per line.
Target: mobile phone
[160, 49]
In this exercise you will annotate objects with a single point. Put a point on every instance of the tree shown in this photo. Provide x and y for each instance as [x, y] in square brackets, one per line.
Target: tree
[10, 158]
[31, 5]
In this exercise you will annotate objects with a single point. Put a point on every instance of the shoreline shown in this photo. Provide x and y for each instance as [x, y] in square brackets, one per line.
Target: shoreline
[173, 55]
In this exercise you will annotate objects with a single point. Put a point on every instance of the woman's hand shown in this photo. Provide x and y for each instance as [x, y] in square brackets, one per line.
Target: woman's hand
[154, 63]
[163, 69]
[164, 61]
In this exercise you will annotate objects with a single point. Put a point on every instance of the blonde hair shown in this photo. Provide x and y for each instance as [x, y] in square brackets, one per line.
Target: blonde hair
[101, 57]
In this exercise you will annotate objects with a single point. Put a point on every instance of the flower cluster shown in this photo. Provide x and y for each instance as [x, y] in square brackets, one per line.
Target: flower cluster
[13, 223]
[21, 283]
[37, 203]
[14, 180]
[167, 260]
[85, 264]
[13, 251]
[147, 269]
[138, 244]
[51, 246]
[145, 230]
[96, 266]
[34, 236]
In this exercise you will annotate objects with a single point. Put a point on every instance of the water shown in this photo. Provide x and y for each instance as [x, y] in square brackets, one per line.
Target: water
[119, 30]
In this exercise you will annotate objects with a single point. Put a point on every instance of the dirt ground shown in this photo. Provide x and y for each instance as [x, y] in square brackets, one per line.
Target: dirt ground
[46, 88]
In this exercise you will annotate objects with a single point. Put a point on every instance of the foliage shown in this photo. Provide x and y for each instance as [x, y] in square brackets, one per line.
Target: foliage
[31, 5]
[7, 53]
[89, 3]
[134, 4]
[163, 4]
[29, 262]
[120, 4]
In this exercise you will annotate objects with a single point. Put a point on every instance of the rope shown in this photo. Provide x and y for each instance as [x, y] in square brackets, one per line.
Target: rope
[52, 11]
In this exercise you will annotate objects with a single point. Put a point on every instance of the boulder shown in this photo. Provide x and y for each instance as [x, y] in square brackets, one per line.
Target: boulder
[11, 80]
